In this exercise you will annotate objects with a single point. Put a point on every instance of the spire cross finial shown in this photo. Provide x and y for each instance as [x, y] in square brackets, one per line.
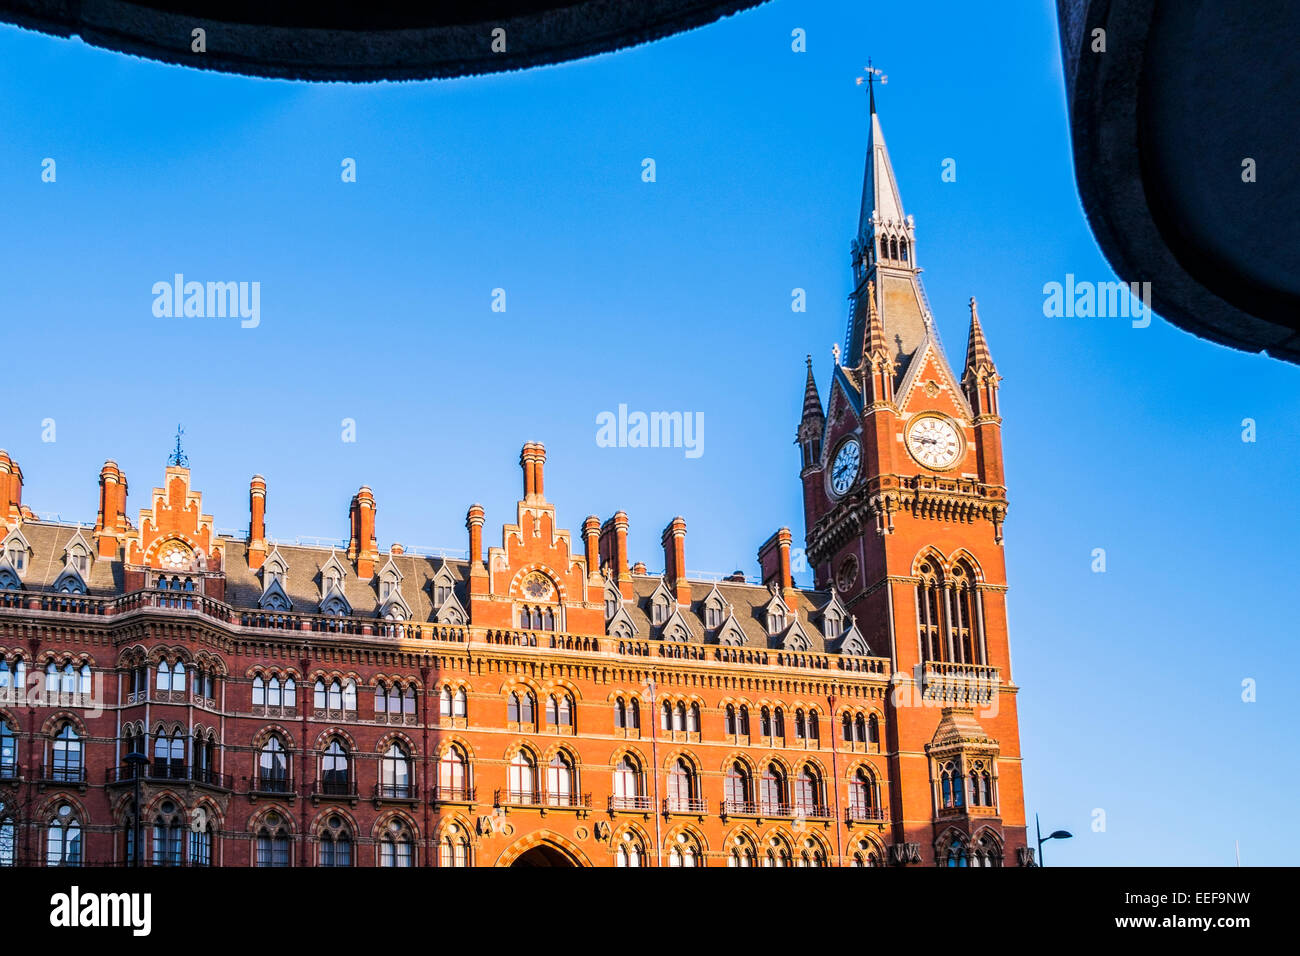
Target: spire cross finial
[177, 457]
[871, 73]
[835, 352]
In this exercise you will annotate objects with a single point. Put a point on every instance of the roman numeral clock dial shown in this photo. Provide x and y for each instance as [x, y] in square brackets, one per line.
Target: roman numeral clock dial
[845, 466]
[934, 442]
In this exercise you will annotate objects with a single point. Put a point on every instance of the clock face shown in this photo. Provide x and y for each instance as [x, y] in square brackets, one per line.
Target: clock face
[934, 442]
[845, 466]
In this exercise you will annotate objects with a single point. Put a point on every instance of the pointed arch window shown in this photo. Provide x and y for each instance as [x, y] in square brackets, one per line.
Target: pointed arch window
[336, 842]
[8, 752]
[929, 597]
[201, 843]
[862, 795]
[808, 792]
[627, 784]
[967, 637]
[273, 767]
[273, 843]
[453, 849]
[951, 785]
[741, 853]
[453, 776]
[630, 851]
[523, 778]
[738, 788]
[168, 827]
[682, 787]
[560, 781]
[771, 793]
[67, 752]
[336, 769]
[395, 773]
[63, 838]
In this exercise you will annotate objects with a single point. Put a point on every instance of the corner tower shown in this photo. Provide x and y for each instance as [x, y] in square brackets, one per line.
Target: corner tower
[904, 505]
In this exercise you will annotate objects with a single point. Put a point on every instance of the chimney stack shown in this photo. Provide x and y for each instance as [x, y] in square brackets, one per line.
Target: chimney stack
[774, 560]
[591, 535]
[474, 523]
[674, 542]
[613, 550]
[362, 547]
[533, 460]
[111, 520]
[639, 568]
[256, 522]
[11, 490]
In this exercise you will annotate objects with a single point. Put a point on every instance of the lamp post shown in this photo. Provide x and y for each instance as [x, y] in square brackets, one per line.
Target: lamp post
[137, 761]
[1054, 835]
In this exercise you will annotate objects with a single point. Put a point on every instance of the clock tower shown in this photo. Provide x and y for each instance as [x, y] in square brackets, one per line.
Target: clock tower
[904, 502]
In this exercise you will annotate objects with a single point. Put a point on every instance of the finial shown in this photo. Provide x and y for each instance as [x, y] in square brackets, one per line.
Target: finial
[871, 73]
[177, 457]
[835, 352]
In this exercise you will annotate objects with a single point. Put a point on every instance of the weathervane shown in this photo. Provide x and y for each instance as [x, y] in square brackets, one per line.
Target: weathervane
[872, 72]
[178, 457]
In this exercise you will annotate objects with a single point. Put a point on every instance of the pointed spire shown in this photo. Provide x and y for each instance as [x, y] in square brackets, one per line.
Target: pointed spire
[880, 198]
[812, 403]
[978, 357]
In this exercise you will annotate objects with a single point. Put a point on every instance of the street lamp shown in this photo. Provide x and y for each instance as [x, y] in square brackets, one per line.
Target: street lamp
[1055, 835]
[137, 761]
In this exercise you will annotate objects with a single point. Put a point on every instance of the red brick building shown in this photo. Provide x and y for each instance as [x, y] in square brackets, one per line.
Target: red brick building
[543, 702]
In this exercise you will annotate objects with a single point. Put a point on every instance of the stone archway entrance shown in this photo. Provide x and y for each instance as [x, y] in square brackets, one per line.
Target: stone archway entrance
[544, 855]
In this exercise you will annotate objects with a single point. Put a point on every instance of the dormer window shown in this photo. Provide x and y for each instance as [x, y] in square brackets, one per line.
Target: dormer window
[15, 552]
[776, 620]
[713, 616]
[441, 593]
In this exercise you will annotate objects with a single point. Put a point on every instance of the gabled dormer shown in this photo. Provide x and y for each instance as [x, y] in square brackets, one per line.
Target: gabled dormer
[834, 617]
[853, 643]
[332, 576]
[274, 568]
[451, 611]
[776, 614]
[796, 638]
[392, 605]
[676, 628]
[15, 554]
[613, 599]
[274, 597]
[662, 605]
[78, 554]
[714, 609]
[730, 634]
[621, 624]
[443, 587]
[69, 581]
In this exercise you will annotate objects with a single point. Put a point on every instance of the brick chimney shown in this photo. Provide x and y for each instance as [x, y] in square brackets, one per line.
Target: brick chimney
[533, 461]
[11, 490]
[362, 546]
[591, 535]
[774, 560]
[639, 568]
[111, 520]
[256, 522]
[674, 542]
[474, 523]
[613, 551]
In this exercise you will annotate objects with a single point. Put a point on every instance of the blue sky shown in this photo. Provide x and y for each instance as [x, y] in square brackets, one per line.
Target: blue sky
[675, 295]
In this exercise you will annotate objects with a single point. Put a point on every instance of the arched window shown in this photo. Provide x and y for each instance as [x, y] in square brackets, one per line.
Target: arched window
[777, 853]
[862, 795]
[893, 248]
[929, 598]
[523, 778]
[951, 785]
[63, 839]
[765, 723]
[68, 766]
[460, 704]
[808, 792]
[815, 728]
[683, 851]
[744, 720]
[168, 826]
[273, 842]
[873, 729]
[902, 249]
[778, 722]
[859, 729]
[350, 695]
[771, 794]
[679, 716]
[273, 767]
[336, 774]
[8, 840]
[290, 693]
[444, 701]
[318, 694]
[634, 714]
[741, 852]
[966, 630]
[666, 716]
[738, 789]
[620, 714]
[957, 853]
[335, 842]
[453, 779]
[800, 728]
[985, 852]
[560, 781]
[259, 691]
[408, 701]
[627, 783]
[812, 854]
[84, 683]
[453, 849]
[8, 752]
[520, 707]
[334, 698]
[980, 790]
[681, 786]
[730, 721]
[630, 851]
[395, 773]
[865, 855]
[693, 719]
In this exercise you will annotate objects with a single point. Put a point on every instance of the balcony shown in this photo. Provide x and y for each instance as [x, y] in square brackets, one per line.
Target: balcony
[768, 809]
[334, 788]
[543, 801]
[694, 806]
[396, 793]
[165, 770]
[62, 776]
[864, 814]
[10, 773]
[455, 795]
[959, 683]
[631, 804]
[274, 785]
